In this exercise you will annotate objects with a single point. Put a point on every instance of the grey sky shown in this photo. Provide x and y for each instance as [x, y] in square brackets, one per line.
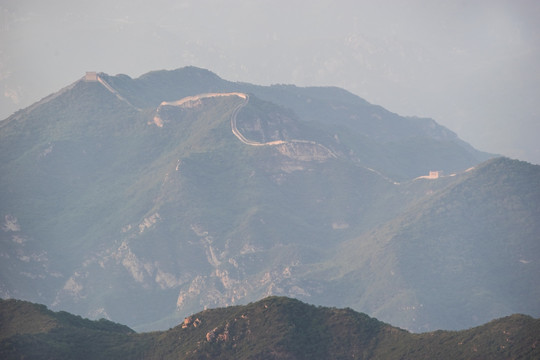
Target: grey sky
[473, 66]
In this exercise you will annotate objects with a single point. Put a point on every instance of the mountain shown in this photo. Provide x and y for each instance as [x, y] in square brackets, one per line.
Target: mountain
[31, 331]
[463, 253]
[145, 200]
[273, 328]
[403, 147]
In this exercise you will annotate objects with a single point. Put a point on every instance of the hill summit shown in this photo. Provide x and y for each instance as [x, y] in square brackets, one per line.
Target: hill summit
[273, 328]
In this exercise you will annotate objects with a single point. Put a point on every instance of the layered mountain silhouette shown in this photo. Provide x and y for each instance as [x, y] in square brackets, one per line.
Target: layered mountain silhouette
[146, 200]
[272, 328]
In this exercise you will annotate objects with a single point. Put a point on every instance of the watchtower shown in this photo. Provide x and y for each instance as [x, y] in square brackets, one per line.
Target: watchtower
[91, 76]
[434, 174]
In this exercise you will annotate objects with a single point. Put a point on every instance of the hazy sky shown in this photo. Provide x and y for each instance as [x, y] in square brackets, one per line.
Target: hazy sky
[473, 66]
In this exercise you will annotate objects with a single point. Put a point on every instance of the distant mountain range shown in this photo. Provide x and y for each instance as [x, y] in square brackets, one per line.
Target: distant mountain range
[146, 200]
[272, 328]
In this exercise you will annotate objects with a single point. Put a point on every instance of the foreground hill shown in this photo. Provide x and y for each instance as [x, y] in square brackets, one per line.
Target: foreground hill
[31, 331]
[273, 328]
[144, 200]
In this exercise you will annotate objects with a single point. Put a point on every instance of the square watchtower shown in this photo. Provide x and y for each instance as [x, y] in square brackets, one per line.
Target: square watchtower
[91, 76]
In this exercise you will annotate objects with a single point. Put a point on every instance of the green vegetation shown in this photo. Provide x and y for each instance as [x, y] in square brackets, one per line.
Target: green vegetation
[273, 328]
[34, 332]
[476, 235]
[144, 213]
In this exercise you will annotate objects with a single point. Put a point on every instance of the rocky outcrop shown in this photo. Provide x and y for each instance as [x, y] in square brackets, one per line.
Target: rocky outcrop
[305, 151]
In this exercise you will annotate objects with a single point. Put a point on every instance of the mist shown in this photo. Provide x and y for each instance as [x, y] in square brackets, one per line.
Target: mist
[471, 66]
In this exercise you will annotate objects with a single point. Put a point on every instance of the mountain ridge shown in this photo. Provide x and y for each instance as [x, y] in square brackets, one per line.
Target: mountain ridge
[142, 92]
[272, 328]
[104, 211]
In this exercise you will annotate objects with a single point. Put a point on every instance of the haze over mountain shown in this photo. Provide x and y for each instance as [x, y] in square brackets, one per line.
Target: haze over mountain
[273, 328]
[146, 200]
[474, 67]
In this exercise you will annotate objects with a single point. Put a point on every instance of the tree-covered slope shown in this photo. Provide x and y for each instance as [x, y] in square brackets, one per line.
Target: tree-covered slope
[123, 199]
[397, 146]
[31, 331]
[467, 252]
[273, 328]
